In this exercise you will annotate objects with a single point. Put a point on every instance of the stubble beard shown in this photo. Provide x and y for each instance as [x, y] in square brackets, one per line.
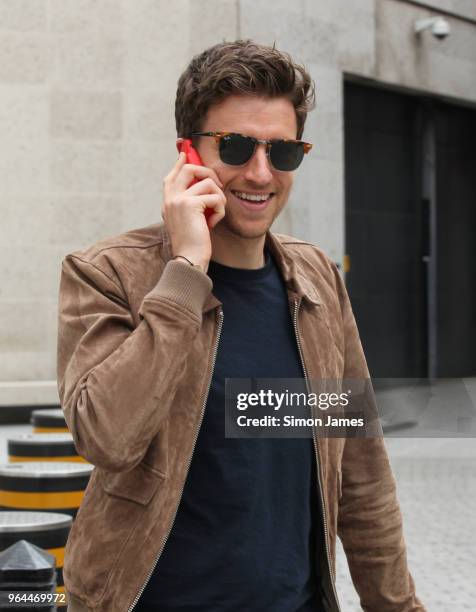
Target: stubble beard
[230, 225]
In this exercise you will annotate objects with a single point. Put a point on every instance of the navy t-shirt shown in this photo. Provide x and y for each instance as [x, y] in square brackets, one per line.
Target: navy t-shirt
[244, 536]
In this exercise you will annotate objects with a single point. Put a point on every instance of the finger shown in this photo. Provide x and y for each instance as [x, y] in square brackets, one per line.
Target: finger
[198, 203]
[217, 216]
[215, 203]
[181, 161]
[189, 172]
[210, 200]
[203, 187]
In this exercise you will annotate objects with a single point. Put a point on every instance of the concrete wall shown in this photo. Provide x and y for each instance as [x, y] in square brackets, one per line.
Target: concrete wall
[87, 128]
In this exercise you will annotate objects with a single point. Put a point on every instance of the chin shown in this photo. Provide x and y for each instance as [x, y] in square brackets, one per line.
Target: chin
[247, 231]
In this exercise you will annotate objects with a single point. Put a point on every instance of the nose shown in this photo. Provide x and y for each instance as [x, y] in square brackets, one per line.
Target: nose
[258, 169]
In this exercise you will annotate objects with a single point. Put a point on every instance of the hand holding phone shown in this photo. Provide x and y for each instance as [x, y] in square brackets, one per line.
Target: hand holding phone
[186, 146]
[192, 193]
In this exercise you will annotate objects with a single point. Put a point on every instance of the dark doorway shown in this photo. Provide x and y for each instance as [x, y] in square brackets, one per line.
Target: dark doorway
[411, 280]
[456, 240]
[384, 238]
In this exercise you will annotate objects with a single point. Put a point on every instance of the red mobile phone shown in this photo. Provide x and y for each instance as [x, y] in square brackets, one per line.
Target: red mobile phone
[193, 158]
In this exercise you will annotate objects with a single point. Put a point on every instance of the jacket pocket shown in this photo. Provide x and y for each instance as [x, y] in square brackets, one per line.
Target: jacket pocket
[138, 484]
[110, 512]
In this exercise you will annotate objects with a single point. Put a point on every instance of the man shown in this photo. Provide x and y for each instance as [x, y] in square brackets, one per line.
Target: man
[176, 516]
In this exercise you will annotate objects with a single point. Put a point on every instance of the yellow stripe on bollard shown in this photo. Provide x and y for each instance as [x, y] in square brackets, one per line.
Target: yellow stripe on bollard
[75, 458]
[58, 553]
[57, 500]
[50, 430]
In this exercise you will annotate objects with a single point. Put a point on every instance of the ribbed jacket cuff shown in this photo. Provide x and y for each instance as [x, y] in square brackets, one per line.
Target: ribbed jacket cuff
[183, 284]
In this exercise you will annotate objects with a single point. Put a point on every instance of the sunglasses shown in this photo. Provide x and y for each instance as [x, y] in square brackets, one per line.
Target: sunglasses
[236, 149]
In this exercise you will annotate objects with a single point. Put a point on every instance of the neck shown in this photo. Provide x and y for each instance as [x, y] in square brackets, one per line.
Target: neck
[237, 252]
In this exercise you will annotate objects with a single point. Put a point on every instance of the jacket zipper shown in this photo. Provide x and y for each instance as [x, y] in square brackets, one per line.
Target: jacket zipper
[215, 351]
[314, 437]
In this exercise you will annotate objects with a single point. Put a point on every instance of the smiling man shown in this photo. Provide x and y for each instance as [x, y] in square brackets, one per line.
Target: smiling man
[255, 191]
[177, 517]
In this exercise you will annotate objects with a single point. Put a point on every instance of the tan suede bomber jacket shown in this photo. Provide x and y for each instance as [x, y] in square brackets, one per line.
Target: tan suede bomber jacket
[137, 339]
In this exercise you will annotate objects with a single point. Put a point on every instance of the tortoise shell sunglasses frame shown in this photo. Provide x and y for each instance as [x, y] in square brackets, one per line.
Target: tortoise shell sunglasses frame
[235, 149]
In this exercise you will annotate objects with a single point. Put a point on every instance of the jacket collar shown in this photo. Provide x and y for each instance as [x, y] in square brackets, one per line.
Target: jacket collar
[290, 266]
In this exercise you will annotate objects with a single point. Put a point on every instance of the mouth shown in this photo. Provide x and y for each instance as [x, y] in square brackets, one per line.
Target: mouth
[253, 200]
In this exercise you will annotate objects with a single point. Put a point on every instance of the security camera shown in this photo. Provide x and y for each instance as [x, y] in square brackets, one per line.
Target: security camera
[440, 28]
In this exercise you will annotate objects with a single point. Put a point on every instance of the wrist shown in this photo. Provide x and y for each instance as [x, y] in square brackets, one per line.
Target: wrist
[193, 261]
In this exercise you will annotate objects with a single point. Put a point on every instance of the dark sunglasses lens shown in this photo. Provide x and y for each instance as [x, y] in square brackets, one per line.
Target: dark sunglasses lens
[236, 149]
[286, 156]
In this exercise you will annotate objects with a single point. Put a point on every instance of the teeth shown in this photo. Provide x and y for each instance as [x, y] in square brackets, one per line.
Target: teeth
[252, 197]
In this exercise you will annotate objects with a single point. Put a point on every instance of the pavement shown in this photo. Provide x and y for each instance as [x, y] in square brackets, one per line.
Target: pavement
[436, 484]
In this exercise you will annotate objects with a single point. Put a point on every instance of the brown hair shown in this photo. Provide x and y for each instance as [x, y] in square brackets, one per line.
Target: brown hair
[240, 67]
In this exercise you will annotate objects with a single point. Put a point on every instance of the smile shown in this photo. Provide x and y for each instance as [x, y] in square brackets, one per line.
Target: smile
[252, 197]
[253, 201]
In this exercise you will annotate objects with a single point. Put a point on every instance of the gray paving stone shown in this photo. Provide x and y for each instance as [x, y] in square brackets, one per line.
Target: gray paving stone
[436, 481]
